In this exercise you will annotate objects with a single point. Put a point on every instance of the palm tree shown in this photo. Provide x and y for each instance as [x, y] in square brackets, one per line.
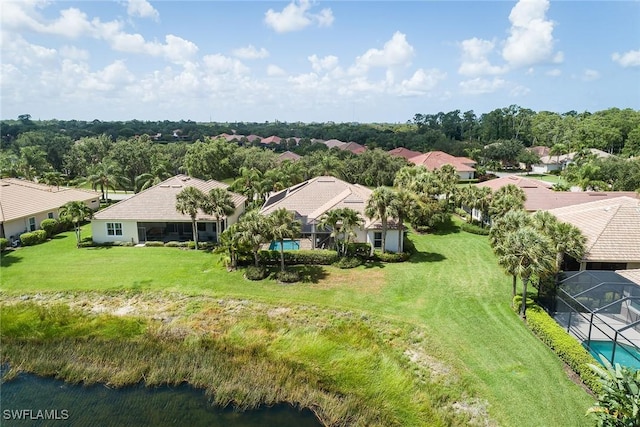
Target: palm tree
[500, 229]
[509, 197]
[527, 252]
[247, 183]
[284, 226]
[76, 212]
[231, 242]
[218, 203]
[350, 221]
[188, 202]
[106, 175]
[329, 221]
[53, 178]
[149, 179]
[400, 208]
[254, 230]
[378, 207]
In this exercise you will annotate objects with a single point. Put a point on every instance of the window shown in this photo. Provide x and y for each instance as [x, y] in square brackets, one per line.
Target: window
[32, 223]
[377, 240]
[114, 229]
[202, 226]
[50, 215]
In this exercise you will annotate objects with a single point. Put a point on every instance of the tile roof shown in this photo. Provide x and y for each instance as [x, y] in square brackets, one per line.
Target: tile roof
[436, 159]
[633, 275]
[403, 152]
[541, 197]
[271, 140]
[334, 143]
[612, 228]
[540, 150]
[312, 198]
[564, 158]
[158, 203]
[20, 198]
[354, 147]
[288, 155]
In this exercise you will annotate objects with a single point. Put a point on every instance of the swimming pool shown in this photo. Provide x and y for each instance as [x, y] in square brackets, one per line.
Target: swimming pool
[288, 245]
[625, 355]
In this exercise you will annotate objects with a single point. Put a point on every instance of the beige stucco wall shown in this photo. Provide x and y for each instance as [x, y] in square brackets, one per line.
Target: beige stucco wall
[99, 231]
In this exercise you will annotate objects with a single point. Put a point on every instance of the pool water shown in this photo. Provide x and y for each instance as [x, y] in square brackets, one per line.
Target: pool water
[625, 355]
[288, 245]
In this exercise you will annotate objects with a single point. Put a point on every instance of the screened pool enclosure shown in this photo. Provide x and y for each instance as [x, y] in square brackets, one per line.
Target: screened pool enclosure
[602, 310]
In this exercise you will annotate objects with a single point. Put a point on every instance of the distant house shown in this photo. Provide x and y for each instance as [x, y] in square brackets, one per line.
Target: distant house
[311, 199]
[152, 215]
[550, 163]
[403, 152]
[612, 229]
[436, 159]
[25, 204]
[288, 155]
[354, 147]
[271, 140]
[333, 143]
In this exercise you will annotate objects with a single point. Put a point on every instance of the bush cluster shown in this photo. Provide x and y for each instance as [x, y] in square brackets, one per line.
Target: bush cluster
[255, 273]
[3, 243]
[33, 237]
[390, 256]
[306, 257]
[474, 229]
[564, 345]
[288, 276]
[49, 225]
[360, 250]
[153, 244]
[348, 262]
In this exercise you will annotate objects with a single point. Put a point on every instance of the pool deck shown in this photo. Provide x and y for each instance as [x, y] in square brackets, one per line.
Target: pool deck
[304, 244]
[604, 328]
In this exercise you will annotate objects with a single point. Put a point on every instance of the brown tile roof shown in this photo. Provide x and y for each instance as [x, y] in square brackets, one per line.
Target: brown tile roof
[540, 150]
[271, 140]
[20, 198]
[612, 228]
[354, 147]
[403, 152]
[633, 275]
[334, 143]
[288, 155]
[312, 198]
[540, 196]
[158, 203]
[436, 159]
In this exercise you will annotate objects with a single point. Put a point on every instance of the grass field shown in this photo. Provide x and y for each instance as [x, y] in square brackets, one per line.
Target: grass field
[448, 305]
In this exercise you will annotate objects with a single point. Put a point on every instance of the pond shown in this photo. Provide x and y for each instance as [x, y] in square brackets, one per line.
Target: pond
[29, 400]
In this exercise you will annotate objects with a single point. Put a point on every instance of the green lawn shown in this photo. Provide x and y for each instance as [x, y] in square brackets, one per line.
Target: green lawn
[452, 291]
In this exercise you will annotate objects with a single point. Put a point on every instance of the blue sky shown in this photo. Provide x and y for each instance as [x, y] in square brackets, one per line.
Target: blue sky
[314, 61]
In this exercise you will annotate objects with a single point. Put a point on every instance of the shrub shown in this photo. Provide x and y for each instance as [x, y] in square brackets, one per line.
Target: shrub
[64, 224]
[49, 225]
[255, 273]
[174, 244]
[422, 228]
[191, 244]
[288, 276]
[3, 243]
[33, 238]
[348, 262]
[564, 345]
[390, 256]
[361, 250]
[474, 229]
[153, 244]
[307, 257]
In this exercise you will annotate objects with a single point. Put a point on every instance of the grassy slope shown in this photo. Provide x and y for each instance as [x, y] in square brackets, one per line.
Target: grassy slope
[454, 289]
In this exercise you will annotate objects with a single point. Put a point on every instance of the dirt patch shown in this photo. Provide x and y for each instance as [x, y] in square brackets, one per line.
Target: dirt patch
[476, 410]
[364, 280]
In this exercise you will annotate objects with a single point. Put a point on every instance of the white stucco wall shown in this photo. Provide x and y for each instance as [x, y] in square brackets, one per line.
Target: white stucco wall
[391, 242]
[99, 231]
[465, 175]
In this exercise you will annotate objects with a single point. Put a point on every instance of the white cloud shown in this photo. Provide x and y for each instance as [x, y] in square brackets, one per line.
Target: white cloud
[554, 73]
[396, 51]
[109, 78]
[519, 91]
[250, 52]
[175, 49]
[474, 58]
[327, 63]
[627, 59]
[421, 82]
[531, 35]
[275, 71]
[296, 16]
[480, 86]
[590, 75]
[220, 64]
[143, 9]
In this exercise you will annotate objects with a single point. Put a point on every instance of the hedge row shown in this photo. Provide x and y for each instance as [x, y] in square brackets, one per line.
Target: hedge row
[307, 257]
[564, 345]
[475, 229]
[33, 238]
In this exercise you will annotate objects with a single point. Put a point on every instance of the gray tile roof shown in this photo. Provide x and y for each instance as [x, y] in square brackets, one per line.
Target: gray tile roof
[158, 203]
[611, 226]
[20, 198]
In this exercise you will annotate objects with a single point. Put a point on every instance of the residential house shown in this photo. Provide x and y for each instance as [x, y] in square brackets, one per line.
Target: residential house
[311, 199]
[354, 147]
[403, 152]
[288, 155]
[436, 159]
[271, 140]
[550, 163]
[331, 143]
[25, 204]
[152, 215]
[612, 229]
